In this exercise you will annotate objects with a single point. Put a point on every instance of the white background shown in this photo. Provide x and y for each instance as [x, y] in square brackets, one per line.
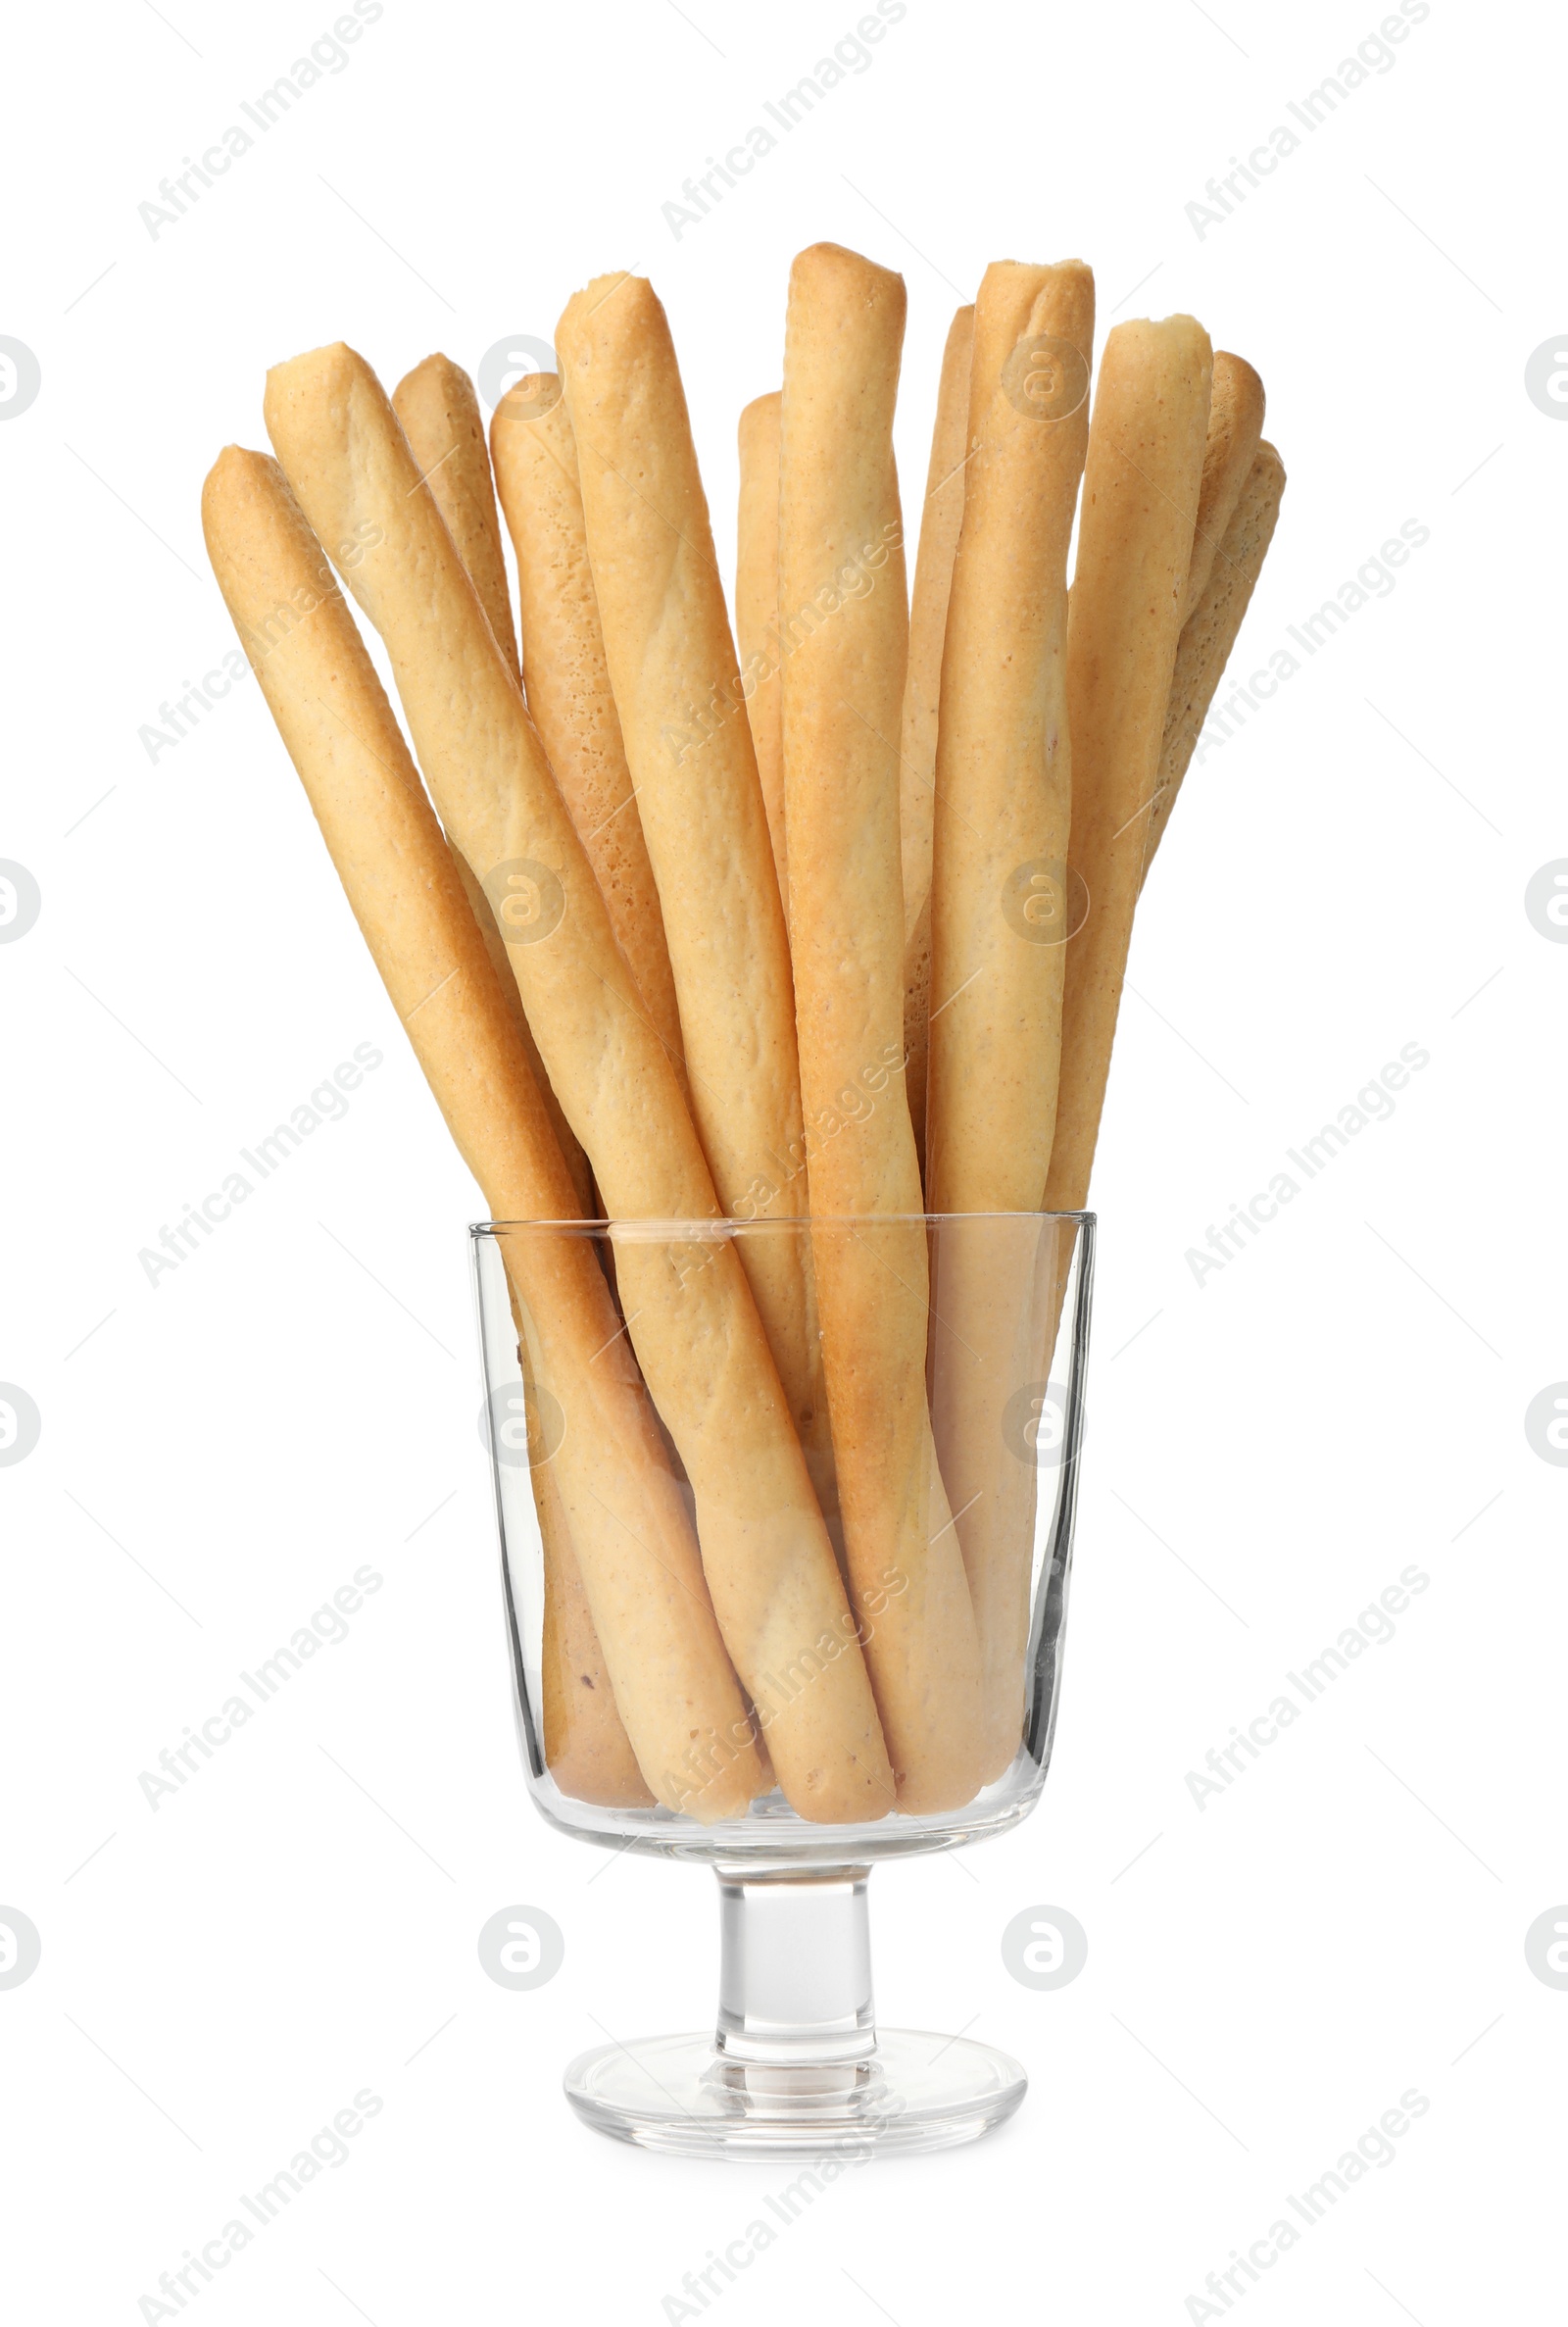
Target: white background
[1266, 1975]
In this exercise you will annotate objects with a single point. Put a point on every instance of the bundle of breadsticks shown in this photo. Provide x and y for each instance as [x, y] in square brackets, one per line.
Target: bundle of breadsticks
[820, 916]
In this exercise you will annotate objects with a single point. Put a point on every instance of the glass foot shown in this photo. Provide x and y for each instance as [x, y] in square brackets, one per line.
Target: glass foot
[680, 2093]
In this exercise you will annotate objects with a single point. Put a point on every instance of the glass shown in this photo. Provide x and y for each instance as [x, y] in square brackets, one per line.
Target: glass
[787, 1651]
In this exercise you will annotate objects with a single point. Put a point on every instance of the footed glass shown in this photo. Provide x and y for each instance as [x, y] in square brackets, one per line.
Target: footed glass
[661, 1540]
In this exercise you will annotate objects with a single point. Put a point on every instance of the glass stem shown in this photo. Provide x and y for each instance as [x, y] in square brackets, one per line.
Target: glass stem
[795, 1978]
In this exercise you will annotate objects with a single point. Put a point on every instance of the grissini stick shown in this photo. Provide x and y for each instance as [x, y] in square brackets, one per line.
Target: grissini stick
[440, 415]
[1210, 632]
[999, 920]
[767, 1554]
[841, 584]
[676, 680]
[757, 633]
[569, 692]
[1004, 775]
[1235, 428]
[640, 1562]
[940, 519]
[1135, 546]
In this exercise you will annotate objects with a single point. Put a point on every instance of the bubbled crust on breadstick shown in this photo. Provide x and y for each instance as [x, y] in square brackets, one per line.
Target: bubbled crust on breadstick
[440, 415]
[1235, 428]
[568, 683]
[676, 680]
[757, 614]
[999, 920]
[940, 517]
[767, 1554]
[1211, 630]
[842, 590]
[640, 1562]
[1135, 544]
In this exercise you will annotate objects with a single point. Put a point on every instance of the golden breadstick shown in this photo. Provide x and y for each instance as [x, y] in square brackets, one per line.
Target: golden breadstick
[842, 594]
[767, 1554]
[998, 906]
[1235, 427]
[757, 614]
[940, 519]
[1003, 771]
[676, 680]
[440, 415]
[1210, 634]
[567, 685]
[1135, 548]
[639, 1560]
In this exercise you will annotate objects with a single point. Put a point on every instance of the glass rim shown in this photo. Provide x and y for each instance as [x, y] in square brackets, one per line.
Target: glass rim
[663, 1231]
